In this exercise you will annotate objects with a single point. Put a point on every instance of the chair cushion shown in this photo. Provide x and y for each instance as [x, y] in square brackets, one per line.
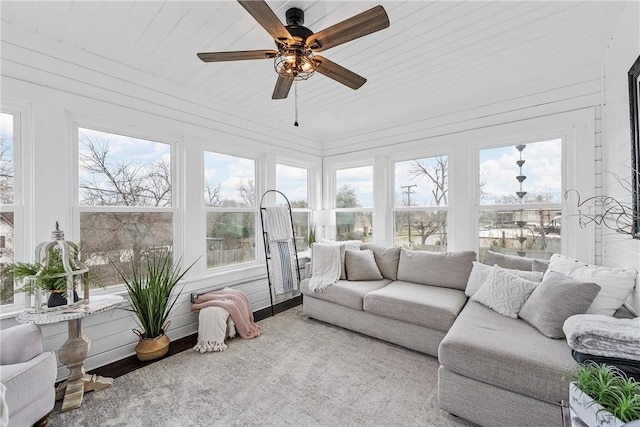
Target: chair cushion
[449, 269]
[507, 353]
[344, 292]
[431, 306]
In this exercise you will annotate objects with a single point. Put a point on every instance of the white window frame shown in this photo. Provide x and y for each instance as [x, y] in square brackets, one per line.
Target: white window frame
[308, 209]
[333, 191]
[23, 187]
[258, 167]
[176, 187]
[392, 187]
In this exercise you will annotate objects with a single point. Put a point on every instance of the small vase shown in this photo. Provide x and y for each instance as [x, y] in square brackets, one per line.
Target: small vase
[57, 299]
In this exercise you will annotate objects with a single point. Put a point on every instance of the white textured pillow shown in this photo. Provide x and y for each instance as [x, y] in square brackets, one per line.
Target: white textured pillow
[480, 272]
[616, 283]
[504, 292]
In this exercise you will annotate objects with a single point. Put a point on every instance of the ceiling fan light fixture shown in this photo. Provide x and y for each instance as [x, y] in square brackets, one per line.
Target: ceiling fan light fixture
[296, 63]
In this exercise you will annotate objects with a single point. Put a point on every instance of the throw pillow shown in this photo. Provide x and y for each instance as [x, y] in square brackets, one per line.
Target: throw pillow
[386, 258]
[616, 283]
[480, 272]
[449, 269]
[504, 292]
[508, 261]
[556, 299]
[361, 265]
[345, 245]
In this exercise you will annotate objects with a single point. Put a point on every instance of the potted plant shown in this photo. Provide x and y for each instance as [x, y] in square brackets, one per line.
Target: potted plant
[49, 276]
[602, 395]
[152, 291]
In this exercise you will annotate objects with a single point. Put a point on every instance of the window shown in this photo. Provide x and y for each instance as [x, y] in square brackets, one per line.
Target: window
[421, 190]
[520, 198]
[292, 182]
[125, 200]
[230, 207]
[354, 204]
[7, 203]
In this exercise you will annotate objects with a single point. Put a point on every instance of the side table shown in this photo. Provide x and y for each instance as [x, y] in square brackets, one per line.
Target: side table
[74, 351]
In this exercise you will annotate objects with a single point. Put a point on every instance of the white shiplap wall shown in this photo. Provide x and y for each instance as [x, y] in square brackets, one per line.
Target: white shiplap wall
[624, 48]
[55, 86]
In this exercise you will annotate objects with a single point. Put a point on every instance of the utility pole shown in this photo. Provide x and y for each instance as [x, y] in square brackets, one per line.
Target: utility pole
[409, 192]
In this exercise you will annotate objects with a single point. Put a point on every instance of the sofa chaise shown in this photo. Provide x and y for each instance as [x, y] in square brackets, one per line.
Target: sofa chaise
[495, 369]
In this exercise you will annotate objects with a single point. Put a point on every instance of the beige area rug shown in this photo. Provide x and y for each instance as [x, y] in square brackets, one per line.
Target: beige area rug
[299, 372]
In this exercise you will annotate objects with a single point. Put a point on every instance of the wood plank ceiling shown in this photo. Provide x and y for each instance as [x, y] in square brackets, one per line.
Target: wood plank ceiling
[437, 56]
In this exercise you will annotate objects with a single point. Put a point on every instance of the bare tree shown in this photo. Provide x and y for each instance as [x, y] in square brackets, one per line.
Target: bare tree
[431, 223]
[247, 191]
[213, 195]
[438, 174]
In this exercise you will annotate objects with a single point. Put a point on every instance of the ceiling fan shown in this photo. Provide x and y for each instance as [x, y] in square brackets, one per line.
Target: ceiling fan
[294, 58]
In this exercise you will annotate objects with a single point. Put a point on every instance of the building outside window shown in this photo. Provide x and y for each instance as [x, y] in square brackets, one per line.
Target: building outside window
[520, 199]
[7, 203]
[230, 206]
[125, 193]
[421, 188]
[354, 203]
[292, 182]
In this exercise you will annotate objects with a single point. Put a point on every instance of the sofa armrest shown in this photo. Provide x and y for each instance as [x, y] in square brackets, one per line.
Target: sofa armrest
[20, 344]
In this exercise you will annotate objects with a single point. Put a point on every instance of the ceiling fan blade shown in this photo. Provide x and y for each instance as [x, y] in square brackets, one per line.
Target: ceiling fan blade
[239, 55]
[370, 21]
[338, 73]
[282, 88]
[262, 13]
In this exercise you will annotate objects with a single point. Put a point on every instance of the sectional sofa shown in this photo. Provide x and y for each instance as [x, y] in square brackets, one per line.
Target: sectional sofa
[494, 369]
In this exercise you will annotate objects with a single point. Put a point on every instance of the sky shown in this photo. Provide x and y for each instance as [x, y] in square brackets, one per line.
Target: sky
[360, 179]
[292, 181]
[542, 167]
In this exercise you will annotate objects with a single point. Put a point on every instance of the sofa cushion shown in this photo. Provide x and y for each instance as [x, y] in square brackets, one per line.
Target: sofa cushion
[616, 283]
[540, 265]
[504, 292]
[507, 353]
[344, 292]
[508, 261]
[361, 265]
[556, 299]
[386, 258]
[480, 272]
[449, 269]
[431, 306]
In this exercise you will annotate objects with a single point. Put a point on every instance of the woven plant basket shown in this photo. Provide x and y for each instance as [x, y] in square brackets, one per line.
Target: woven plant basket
[151, 348]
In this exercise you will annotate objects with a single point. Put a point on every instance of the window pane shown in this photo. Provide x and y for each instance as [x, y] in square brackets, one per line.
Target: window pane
[229, 181]
[422, 182]
[531, 233]
[230, 238]
[118, 170]
[354, 226]
[119, 237]
[354, 187]
[292, 182]
[420, 230]
[301, 230]
[6, 159]
[540, 173]
[6, 256]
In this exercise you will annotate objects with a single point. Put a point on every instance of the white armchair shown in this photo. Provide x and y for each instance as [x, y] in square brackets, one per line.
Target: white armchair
[28, 373]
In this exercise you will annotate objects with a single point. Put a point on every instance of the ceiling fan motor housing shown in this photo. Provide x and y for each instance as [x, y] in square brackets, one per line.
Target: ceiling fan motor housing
[295, 16]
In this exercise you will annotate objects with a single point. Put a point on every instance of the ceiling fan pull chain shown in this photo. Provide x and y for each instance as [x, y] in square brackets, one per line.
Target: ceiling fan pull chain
[295, 123]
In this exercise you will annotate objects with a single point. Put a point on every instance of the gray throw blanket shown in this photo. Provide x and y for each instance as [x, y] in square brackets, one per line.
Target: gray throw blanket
[601, 335]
